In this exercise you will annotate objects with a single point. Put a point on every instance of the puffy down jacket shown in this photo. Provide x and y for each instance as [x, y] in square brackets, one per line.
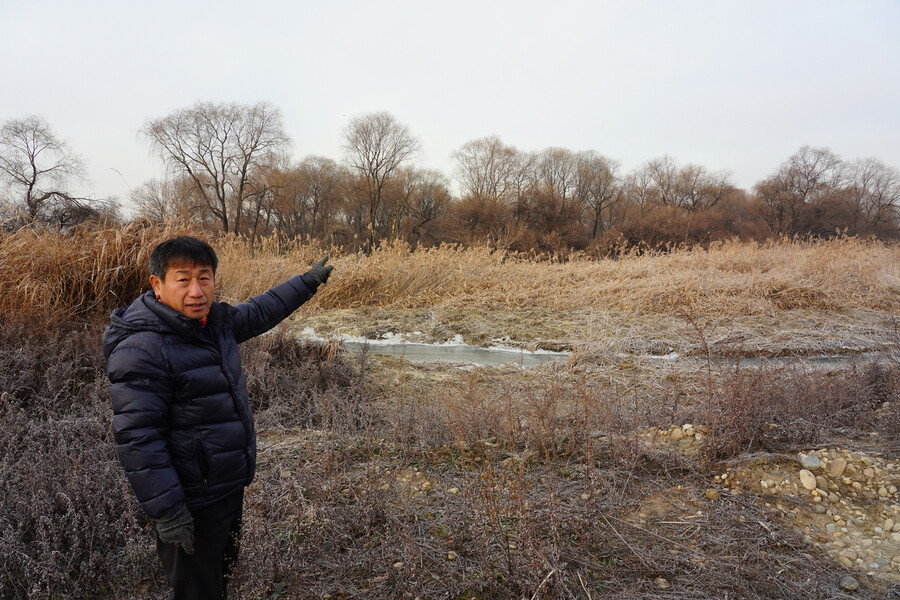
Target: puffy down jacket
[181, 420]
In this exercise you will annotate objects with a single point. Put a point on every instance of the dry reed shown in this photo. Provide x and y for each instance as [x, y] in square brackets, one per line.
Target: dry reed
[83, 272]
[89, 270]
[729, 278]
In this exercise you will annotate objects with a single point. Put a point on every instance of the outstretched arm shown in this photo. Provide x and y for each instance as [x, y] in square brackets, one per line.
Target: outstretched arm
[265, 311]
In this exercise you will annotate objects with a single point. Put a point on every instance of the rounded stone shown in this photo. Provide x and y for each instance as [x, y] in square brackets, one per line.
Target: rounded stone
[837, 466]
[810, 461]
[807, 480]
[849, 583]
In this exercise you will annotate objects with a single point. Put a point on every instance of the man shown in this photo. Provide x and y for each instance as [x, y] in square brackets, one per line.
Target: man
[181, 419]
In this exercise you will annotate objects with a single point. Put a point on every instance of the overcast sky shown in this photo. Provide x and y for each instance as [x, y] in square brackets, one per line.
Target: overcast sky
[729, 85]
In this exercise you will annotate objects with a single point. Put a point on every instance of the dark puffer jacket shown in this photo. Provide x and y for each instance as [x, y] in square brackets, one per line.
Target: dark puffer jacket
[181, 420]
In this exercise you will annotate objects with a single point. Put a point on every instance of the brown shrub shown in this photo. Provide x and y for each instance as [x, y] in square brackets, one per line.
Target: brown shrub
[293, 383]
[69, 524]
[773, 407]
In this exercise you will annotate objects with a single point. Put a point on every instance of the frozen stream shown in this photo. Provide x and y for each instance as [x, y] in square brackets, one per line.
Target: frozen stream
[457, 353]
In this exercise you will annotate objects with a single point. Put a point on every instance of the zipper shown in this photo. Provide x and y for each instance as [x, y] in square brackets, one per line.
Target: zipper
[202, 457]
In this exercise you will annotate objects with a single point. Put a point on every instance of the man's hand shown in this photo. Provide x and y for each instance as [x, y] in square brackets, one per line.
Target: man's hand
[177, 530]
[319, 273]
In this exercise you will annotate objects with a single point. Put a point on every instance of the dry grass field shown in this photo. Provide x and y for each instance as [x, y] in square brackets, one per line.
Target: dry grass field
[380, 478]
[770, 299]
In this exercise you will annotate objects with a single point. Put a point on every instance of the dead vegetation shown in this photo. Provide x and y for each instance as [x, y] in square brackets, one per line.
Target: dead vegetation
[381, 479]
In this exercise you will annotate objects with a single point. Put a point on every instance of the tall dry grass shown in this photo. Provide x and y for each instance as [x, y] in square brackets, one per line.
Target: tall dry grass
[81, 273]
[88, 271]
[732, 277]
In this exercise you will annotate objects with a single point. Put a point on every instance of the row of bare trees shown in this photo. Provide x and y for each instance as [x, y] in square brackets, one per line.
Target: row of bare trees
[227, 168]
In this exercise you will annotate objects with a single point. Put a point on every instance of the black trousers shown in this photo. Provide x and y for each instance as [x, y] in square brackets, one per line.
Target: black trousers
[203, 575]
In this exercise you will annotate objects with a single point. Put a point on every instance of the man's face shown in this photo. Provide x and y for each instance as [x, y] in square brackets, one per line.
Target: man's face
[187, 288]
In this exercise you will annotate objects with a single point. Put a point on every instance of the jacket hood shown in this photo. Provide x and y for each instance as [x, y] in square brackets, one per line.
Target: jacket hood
[145, 314]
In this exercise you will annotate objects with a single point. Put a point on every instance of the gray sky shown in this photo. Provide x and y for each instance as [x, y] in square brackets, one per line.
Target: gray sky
[729, 85]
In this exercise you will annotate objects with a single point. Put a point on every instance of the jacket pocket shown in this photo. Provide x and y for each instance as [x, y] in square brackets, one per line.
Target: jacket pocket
[201, 455]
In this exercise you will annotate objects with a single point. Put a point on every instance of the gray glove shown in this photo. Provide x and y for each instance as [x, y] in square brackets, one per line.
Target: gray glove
[177, 530]
[319, 272]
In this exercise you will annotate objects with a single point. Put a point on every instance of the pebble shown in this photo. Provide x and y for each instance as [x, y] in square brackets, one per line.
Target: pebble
[452, 555]
[810, 461]
[837, 466]
[849, 583]
[851, 509]
[807, 480]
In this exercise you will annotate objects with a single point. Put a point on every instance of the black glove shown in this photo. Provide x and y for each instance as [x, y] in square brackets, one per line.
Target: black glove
[177, 530]
[319, 272]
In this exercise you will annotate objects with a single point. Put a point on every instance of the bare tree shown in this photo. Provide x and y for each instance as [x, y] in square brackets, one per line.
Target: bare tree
[376, 145]
[552, 203]
[306, 195]
[431, 196]
[663, 182]
[794, 199]
[224, 150]
[488, 169]
[873, 197]
[641, 190]
[697, 188]
[413, 199]
[663, 173]
[37, 168]
[165, 201]
[597, 186]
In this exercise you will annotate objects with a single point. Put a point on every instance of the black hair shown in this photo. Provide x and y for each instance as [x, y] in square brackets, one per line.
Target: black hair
[182, 248]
